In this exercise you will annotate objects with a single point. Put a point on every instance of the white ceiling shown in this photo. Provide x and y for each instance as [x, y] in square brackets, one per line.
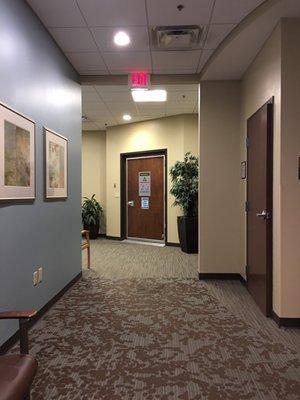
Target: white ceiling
[105, 105]
[84, 30]
[235, 55]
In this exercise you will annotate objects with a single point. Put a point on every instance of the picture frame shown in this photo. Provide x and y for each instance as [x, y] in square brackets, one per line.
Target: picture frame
[17, 156]
[56, 166]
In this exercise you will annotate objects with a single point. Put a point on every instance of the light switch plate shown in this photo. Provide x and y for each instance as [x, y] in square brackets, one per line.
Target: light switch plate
[35, 278]
[40, 273]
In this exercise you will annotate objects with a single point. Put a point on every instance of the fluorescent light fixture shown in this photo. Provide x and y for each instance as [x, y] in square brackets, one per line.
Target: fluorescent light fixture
[141, 95]
[127, 117]
[121, 38]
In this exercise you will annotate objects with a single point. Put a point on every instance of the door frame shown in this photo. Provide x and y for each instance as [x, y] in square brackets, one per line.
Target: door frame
[123, 187]
[269, 189]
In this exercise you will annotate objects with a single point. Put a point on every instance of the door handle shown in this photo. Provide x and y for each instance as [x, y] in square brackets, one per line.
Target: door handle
[264, 214]
[131, 203]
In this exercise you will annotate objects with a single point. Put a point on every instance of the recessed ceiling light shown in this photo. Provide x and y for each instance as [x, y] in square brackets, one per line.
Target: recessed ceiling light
[127, 117]
[149, 95]
[121, 38]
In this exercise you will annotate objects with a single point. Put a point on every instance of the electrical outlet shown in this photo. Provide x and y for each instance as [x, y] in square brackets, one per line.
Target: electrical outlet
[40, 272]
[35, 278]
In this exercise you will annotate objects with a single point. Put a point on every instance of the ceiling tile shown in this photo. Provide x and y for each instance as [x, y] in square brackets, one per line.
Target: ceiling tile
[68, 15]
[104, 37]
[86, 61]
[111, 88]
[149, 108]
[88, 89]
[118, 101]
[180, 106]
[216, 34]
[127, 62]
[96, 115]
[127, 110]
[106, 121]
[90, 95]
[89, 126]
[93, 106]
[165, 12]
[117, 97]
[175, 60]
[233, 11]
[74, 39]
[182, 96]
[168, 71]
[120, 121]
[205, 55]
[176, 88]
[113, 12]
[121, 107]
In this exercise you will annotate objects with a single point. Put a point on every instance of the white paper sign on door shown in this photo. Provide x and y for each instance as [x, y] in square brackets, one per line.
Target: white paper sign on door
[145, 184]
[145, 203]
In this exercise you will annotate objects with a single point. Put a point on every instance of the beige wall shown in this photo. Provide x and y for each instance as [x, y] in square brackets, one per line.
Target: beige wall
[220, 221]
[275, 72]
[94, 168]
[290, 184]
[261, 82]
[177, 134]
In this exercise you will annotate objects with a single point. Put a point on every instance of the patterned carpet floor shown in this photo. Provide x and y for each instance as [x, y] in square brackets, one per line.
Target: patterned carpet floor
[155, 338]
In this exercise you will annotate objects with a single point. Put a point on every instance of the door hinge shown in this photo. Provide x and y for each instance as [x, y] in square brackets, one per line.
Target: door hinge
[247, 141]
[162, 235]
[247, 206]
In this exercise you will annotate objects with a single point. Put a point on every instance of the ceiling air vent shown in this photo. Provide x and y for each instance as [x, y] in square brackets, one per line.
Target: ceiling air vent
[183, 37]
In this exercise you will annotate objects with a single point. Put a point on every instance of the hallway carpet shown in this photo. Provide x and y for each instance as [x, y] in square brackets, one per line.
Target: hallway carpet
[115, 259]
[155, 338]
[159, 335]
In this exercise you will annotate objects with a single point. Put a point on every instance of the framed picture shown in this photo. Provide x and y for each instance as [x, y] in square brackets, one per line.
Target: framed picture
[17, 156]
[243, 170]
[56, 165]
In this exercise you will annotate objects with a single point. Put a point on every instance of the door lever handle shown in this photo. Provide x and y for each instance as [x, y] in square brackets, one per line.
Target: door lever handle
[131, 203]
[264, 214]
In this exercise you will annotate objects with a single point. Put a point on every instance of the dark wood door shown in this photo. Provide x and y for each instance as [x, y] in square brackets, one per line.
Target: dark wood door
[259, 206]
[145, 198]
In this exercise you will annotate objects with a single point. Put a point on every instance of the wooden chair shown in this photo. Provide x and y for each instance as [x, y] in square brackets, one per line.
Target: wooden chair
[86, 245]
[17, 371]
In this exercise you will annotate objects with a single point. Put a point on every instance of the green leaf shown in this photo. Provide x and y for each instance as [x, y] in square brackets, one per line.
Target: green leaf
[184, 178]
[91, 211]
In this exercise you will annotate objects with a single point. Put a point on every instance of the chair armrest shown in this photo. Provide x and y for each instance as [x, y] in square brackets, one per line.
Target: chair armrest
[24, 319]
[26, 314]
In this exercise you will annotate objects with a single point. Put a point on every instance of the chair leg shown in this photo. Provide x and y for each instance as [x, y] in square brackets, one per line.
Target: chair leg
[89, 257]
[27, 396]
[24, 345]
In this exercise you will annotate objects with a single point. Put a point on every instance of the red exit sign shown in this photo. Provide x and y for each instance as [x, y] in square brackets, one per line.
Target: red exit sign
[139, 80]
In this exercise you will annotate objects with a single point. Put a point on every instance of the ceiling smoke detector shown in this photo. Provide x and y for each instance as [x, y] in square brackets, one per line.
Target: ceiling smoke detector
[185, 37]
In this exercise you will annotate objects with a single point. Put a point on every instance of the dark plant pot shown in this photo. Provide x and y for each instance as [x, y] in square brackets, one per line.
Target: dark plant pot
[93, 229]
[188, 234]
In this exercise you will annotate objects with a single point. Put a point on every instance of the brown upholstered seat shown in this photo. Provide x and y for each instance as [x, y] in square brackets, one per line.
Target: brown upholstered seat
[17, 373]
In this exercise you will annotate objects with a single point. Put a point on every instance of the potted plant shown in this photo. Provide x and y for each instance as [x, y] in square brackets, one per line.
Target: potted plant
[91, 212]
[184, 178]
